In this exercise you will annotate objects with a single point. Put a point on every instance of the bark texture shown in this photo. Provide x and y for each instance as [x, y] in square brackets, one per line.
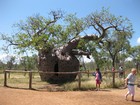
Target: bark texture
[61, 59]
[60, 63]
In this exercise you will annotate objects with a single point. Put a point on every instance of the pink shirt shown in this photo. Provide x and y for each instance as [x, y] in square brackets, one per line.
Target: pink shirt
[97, 76]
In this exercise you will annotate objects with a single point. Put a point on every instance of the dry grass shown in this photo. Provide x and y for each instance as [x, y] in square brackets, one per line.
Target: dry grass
[20, 80]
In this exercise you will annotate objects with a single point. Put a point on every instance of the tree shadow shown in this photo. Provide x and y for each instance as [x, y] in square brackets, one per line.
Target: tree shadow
[105, 90]
[20, 88]
[136, 101]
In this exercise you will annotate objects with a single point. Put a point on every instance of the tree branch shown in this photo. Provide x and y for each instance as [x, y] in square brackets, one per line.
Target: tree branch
[56, 15]
[80, 52]
[74, 43]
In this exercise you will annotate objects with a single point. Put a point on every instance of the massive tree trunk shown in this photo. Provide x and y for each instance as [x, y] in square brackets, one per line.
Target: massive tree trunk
[60, 63]
[62, 59]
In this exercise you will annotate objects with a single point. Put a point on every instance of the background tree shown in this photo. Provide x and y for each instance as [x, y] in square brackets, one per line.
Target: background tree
[135, 55]
[28, 63]
[100, 57]
[2, 65]
[115, 45]
[116, 32]
[10, 63]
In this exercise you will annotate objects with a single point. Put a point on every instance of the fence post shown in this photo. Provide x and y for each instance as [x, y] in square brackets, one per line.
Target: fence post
[124, 74]
[30, 80]
[79, 80]
[88, 73]
[113, 79]
[5, 78]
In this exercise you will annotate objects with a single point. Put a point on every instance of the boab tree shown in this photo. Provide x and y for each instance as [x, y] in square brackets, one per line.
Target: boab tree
[58, 44]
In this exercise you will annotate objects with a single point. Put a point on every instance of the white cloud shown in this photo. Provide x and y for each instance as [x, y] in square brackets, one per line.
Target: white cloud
[2, 56]
[6, 57]
[129, 59]
[138, 40]
[87, 59]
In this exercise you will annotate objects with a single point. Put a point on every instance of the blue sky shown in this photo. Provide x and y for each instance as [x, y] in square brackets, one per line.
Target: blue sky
[12, 11]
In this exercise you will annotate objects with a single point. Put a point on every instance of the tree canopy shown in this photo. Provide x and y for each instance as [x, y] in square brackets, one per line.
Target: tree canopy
[37, 33]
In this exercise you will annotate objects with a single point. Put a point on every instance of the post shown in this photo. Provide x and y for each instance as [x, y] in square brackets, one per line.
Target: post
[113, 79]
[30, 80]
[79, 80]
[113, 76]
[124, 74]
[5, 78]
[88, 73]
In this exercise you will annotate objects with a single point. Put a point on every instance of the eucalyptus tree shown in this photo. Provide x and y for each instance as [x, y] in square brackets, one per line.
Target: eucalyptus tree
[10, 62]
[28, 63]
[116, 45]
[116, 32]
[58, 39]
[2, 65]
[135, 55]
[100, 56]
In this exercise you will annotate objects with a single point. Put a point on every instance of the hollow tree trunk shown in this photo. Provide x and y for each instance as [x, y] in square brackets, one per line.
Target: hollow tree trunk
[60, 63]
[61, 59]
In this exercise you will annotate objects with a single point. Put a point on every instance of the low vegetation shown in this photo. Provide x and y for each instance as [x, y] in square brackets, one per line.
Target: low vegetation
[21, 80]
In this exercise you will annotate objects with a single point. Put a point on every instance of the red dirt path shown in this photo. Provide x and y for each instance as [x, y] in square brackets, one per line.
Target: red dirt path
[10, 96]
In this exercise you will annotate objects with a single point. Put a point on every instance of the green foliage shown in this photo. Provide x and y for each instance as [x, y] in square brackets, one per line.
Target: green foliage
[135, 52]
[82, 45]
[10, 63]
[40, 33]
[28, 63]
[75, 25]
[116, 31]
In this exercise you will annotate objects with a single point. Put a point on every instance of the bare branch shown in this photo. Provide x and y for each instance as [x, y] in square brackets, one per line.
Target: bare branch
[80, 52]
[74, 43]
[56, 15]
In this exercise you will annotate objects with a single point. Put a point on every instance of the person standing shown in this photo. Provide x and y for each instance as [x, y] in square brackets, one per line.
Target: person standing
[98, 78]
[113, 69]
[130, 81]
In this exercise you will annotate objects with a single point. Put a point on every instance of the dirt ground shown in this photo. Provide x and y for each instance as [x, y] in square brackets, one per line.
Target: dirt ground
[9, 96]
